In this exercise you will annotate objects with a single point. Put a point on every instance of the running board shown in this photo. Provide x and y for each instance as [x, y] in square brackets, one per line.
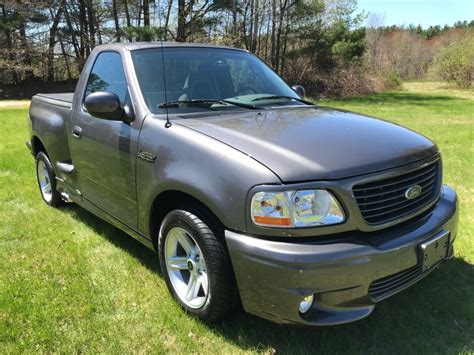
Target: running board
[66, 166]
[65, 197]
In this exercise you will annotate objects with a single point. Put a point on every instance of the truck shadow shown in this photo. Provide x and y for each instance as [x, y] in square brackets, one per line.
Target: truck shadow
[405, 98]
[434, 316]
[120, 239]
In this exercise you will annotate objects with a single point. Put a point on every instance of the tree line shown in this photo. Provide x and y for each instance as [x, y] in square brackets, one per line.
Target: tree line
[322, 44]
[413, 53]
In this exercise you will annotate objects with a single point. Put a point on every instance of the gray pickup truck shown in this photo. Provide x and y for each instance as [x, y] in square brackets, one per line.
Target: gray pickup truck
[250, 195]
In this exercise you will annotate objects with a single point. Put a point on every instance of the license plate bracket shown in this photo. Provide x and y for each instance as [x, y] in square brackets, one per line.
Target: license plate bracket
[434, 250]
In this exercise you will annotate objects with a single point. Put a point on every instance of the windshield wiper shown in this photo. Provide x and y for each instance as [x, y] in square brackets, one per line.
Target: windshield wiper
[205, 101]
[276, 97]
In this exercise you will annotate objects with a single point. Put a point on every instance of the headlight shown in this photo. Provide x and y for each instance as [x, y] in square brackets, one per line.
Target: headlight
[287, 209]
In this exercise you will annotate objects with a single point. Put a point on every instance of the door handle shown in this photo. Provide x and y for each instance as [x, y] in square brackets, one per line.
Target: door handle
[76, 132]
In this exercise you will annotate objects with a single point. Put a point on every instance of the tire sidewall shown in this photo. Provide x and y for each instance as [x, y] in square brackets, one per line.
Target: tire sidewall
[55, 197]
[179, 218]
[176, 219]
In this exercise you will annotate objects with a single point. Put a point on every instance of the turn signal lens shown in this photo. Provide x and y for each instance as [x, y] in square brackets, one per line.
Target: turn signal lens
[273, 221]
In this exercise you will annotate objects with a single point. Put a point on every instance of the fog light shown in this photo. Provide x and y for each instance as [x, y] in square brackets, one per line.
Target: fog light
[306, 304]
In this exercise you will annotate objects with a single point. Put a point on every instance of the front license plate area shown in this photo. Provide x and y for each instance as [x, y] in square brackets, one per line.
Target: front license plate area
[434, 250]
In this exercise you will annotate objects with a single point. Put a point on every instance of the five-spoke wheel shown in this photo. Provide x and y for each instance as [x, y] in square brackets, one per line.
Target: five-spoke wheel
[195, 264]
[47, 180]
[44, 181]
[186, 267]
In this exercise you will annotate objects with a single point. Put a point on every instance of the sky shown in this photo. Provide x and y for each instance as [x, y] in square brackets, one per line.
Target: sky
[423, 12]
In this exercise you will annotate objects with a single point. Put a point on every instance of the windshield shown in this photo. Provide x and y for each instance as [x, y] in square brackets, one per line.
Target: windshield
[202, 79]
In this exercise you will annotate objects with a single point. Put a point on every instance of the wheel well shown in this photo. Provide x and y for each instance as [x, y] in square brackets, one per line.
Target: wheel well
[170, 200]
[37, 146]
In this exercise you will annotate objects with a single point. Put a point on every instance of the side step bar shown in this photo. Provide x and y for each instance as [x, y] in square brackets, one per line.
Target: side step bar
[65, 197]
[65, 166]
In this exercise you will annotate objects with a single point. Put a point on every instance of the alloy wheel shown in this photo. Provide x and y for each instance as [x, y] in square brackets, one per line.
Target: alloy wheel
[186, 268]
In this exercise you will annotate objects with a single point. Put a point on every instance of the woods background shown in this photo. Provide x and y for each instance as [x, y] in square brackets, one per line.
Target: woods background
[326, 45]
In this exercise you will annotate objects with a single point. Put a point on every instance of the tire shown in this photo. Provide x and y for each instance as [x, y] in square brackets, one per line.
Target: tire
[209, 260]
[47, 180]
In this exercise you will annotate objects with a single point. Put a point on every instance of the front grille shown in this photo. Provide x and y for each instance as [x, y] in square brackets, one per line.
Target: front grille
[384, 200]
[386, 286]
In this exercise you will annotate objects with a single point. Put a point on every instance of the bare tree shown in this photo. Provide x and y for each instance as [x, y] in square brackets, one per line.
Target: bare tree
[52, 39]
[373, 35]
[116, 20]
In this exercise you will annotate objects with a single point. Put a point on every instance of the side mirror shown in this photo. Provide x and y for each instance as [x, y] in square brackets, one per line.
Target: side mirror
[299, 90]
[105, 105]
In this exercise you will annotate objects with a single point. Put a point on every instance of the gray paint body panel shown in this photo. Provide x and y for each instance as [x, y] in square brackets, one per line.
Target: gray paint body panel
[315, 143]
[214, 173]
[49, 122]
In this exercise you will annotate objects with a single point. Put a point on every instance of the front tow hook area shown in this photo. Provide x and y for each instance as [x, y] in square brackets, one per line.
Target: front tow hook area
[323, 315]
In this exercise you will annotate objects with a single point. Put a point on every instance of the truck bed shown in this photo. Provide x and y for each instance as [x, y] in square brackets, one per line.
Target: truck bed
[49, 119]
[63, 99]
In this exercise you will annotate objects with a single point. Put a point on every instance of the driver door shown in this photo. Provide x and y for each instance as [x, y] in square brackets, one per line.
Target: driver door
[103, 151]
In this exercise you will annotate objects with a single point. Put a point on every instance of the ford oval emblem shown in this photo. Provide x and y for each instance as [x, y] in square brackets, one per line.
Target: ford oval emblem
[413, 192]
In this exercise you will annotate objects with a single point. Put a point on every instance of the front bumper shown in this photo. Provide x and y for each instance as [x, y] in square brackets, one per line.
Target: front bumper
[274, 276]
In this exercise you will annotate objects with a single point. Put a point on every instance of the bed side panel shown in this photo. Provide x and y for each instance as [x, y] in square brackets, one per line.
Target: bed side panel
[49, 122]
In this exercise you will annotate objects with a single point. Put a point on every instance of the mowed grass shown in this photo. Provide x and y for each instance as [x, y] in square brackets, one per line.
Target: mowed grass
[70, 282]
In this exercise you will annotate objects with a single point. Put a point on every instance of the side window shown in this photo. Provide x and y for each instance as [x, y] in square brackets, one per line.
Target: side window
[107, 75]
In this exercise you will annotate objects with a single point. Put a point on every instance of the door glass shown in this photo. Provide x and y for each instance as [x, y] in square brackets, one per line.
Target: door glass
[107, 75]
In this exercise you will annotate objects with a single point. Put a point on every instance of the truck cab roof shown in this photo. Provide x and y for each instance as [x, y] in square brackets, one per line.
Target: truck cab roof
[131, 46]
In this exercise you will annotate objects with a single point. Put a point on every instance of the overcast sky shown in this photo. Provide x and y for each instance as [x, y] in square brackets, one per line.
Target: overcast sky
[424, 12]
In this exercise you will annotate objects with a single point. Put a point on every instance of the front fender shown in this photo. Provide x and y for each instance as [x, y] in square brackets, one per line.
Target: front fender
[178, 158]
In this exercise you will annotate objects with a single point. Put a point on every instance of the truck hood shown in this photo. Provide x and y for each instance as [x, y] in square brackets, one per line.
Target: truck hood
[304, 143]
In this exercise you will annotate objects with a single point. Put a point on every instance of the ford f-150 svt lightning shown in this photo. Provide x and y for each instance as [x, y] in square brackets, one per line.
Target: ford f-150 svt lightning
[249, 194]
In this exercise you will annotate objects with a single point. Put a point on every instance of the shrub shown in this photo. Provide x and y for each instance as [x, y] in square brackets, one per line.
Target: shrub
[455, 63]
[351, 81]
[389, 80]
[342, 81]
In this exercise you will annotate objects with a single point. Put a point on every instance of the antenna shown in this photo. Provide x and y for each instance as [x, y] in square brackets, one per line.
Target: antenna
[168, 122]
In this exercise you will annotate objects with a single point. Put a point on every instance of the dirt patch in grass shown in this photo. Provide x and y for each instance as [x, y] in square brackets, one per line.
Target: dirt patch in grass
[14, 103]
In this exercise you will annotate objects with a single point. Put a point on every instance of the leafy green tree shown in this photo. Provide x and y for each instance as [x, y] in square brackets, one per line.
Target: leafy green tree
[348, 44]
[331, 36]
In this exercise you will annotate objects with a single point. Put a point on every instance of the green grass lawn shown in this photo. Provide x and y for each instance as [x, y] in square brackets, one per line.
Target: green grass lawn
[72, 283]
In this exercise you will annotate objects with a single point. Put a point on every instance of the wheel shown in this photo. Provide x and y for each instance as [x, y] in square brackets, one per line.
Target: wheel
[196, 267]
[47, 180]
